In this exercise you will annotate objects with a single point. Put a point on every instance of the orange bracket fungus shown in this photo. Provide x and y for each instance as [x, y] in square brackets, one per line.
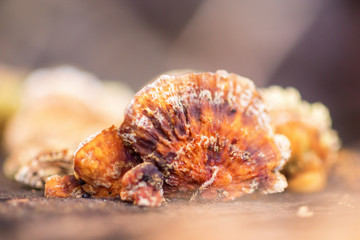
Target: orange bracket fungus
[194, 136]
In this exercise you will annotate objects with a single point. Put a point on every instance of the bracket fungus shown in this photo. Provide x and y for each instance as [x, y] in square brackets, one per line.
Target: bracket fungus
[193, 136]
[314, 144]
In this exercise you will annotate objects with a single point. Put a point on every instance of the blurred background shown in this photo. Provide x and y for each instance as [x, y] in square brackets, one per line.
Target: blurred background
[312, 45]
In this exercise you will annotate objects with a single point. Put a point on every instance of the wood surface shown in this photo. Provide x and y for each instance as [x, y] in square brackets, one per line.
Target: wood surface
[332, 214]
